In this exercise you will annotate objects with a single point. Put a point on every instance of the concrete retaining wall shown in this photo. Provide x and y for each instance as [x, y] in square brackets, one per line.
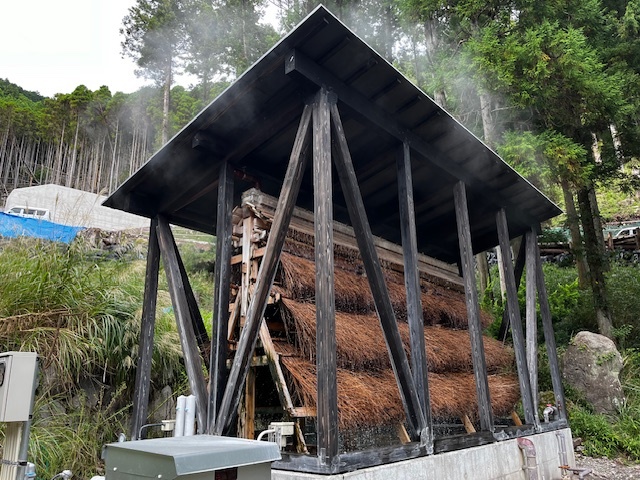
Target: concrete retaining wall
[501, 460]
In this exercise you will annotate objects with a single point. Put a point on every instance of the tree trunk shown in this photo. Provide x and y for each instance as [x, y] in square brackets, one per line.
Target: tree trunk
[597, 225]
[166, 102]
[573, 222]
[596, 270]
[488, 122]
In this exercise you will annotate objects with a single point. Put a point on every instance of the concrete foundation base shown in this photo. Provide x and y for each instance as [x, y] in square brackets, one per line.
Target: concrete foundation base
[501, 460]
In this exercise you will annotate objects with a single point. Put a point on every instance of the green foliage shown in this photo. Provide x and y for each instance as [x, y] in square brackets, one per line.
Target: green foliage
[620, 435]
[73, 438]
[81, 314]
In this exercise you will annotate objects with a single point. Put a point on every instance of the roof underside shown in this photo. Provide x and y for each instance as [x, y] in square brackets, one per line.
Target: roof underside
[253, 123]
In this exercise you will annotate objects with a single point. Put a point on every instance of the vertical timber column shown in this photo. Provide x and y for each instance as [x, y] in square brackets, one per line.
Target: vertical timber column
[515, 320]
[192, 358]
[473, 307]
[531, 318]
[412, 287]
[222, 279]
[549, 336]
[327, 396]
[145, 346]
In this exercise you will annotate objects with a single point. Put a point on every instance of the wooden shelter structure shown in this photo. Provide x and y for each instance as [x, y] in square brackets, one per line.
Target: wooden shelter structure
[322, 122]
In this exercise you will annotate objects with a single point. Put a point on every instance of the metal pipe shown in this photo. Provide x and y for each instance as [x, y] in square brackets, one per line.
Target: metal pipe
[529, 451]
[265, 432]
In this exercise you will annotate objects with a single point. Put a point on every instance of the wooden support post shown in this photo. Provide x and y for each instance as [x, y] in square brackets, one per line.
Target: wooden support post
[145, 346]
[530, 412]
[327, 391]
[518, 269]
[473, 308]
[531, 317]
[222, 279]
[250, 404]
[200, 331]
[549, 337]
[275, 368]
[379, 291]
[266, 275]
[414, 294]
[192, 358]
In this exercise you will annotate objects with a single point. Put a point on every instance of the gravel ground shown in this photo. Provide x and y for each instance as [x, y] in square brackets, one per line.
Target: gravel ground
[604, 468]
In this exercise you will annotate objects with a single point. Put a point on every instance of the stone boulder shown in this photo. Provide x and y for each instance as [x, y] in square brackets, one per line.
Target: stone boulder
[592, 366]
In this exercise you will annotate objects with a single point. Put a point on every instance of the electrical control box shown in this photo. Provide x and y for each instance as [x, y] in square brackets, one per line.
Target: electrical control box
[18, 372]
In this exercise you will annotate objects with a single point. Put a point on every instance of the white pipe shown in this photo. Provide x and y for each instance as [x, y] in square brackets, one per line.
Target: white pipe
[265, 432]
[181, 403]
[190, 416]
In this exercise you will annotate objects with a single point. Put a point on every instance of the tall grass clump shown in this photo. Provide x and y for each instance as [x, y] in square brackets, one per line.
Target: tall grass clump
[81, 313]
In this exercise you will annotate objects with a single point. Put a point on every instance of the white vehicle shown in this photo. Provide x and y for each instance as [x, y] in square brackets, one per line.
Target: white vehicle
[28, 212]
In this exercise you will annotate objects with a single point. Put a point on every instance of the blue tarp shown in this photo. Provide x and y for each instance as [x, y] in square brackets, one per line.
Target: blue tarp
[13, 226]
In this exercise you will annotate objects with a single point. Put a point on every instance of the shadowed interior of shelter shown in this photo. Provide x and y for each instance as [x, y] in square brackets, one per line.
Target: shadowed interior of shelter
[369, 406]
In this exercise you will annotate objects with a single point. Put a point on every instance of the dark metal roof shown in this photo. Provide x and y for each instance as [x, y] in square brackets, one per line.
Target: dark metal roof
[253, 124]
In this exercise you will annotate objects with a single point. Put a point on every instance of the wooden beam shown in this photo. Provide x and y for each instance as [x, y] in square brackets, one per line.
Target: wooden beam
[549, 337]
[414, 294]
[250, 404]
[200, 331]
[327, 391]
[275, 368]
[192, 358]
[362, 230]
[266, 275]
[531, 316]
[518, 269]
[513, 307]
[222, 285]
[145, 346]
[473, 308]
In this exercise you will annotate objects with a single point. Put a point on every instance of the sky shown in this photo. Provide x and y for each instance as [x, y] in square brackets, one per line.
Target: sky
[52, 46]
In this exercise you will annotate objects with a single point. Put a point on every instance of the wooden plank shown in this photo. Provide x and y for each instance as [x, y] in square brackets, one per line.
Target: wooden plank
[234, 317]
[304, 412]
[222, 283]
[192, 358]
[414, 294]
[344, 235]
[549, 337]
[380, 293]
[516, 418]
[250, 405]
[301, 444]
[327, 391]
[145, 345]
[518, 269]
[531, 316]
[275, 368]
[266, 275]
[473, 308]
[257, 253]
[403, 435]
[468, 425]
[513, 308]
